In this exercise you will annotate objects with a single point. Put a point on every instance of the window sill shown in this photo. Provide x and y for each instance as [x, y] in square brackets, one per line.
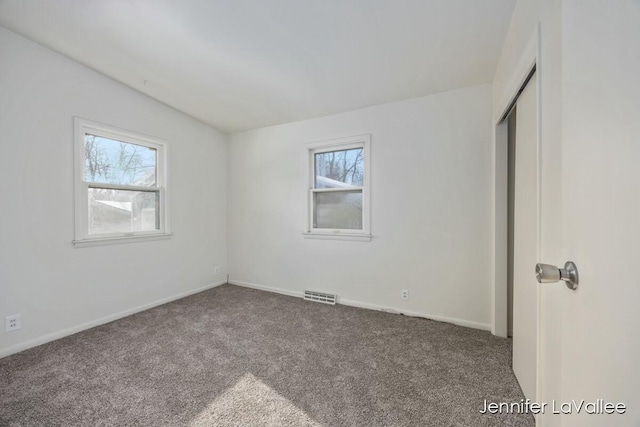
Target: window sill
[101, 241]
[338, 236]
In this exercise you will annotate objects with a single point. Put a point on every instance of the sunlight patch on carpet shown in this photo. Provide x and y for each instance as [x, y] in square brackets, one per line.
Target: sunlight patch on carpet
[252, 402]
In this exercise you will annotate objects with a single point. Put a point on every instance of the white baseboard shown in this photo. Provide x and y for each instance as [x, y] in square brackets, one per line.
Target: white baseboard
[267, 288]
[88, 325]
[453, 320]
[369, 306]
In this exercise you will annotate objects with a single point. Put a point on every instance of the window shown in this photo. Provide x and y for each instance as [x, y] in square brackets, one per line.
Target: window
[120, 185]
[339, 189]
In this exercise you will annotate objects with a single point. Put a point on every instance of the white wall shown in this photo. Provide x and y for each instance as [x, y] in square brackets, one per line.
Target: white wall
[431, 180]
[57, 288]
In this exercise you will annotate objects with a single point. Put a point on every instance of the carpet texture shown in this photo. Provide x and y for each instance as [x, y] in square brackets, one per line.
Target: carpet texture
[232, 356]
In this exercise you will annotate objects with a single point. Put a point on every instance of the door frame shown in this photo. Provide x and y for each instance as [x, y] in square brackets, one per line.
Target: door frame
[528, 62]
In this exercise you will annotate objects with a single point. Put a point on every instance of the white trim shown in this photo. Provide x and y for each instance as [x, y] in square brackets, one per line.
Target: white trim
[82, 126]
[266, 288]
[338, 143]
[115, 133]
[499, 267]
[539, 216]
[369, 306]
[452, 320]
[350, 142]
[343, 144]
[528, 59]
[101, 241]
[338, 235]
[101, 321]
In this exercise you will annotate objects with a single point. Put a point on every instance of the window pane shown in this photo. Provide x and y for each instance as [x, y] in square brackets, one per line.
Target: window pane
[338, 210]
[122, 211]
[339, 169]
[117, 162]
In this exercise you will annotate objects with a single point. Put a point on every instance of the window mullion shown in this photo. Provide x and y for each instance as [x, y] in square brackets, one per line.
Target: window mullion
[100, 185]
[337, 190]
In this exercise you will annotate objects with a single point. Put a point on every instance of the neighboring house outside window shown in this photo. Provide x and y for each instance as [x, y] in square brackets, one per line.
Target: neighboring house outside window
[339, 205]
[120, 185]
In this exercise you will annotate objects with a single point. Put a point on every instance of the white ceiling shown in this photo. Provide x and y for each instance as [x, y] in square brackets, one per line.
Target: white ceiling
[243, 64]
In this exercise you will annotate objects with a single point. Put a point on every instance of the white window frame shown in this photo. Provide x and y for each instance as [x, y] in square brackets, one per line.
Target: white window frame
[351, 142]
[82, 236]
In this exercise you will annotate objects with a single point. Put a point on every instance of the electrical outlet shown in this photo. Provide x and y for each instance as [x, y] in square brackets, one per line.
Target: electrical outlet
[216, 270]
[12, 323]
[405, 294]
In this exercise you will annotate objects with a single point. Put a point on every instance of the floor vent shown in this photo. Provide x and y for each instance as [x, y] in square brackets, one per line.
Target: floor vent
[320, 297]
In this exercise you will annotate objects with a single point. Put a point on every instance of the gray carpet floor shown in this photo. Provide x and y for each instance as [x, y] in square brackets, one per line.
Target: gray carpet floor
[232, 356]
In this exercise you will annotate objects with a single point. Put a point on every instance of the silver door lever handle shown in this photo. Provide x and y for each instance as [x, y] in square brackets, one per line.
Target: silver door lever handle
[547, 273]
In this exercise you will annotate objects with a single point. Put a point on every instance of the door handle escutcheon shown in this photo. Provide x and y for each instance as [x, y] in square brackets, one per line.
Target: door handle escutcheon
[547, 273]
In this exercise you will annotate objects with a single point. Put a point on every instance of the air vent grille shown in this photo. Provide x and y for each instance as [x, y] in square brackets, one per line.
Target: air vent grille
[320, 297]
